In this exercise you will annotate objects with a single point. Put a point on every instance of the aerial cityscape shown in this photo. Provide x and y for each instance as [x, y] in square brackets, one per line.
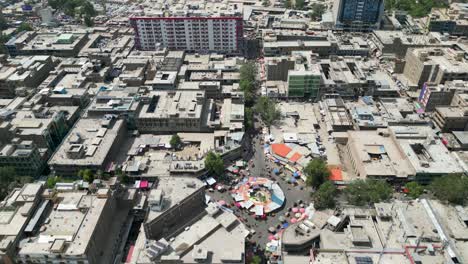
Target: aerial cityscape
[234, 131]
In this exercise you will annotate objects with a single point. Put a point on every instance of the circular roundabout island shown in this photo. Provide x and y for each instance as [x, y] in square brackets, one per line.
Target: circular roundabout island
[258, 195]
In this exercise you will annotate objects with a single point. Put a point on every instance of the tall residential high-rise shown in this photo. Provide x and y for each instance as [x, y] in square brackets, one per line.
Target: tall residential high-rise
[358, 14]
[222, 33]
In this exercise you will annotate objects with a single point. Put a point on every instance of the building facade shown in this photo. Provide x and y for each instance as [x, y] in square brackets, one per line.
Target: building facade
[451, 118]
[433, 96]
[221, 34]
[24, 157]
[358, 14]
[303, 84]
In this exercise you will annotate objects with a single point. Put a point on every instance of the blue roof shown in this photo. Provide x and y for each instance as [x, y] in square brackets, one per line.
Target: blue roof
[363, 111]
[368, 100]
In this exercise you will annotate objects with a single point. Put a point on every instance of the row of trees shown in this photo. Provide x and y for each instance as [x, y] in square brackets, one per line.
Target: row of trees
[416, 8]
[247, 84]
[316, 9]
[268, 111]
[449, 188]
[264, 106]
[359, 192]
[4, 38]
[87, 175]
[76, 8]
[9, 180]
[298, 4]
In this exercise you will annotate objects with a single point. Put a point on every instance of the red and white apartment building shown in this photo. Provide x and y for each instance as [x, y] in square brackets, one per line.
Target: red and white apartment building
[191, 32]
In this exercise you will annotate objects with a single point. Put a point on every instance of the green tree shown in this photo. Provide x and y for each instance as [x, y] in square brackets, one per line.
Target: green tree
[246, 85]
[122, 176]
[87, 9]
[175, 141]
[366, 192]
[214, 164]
[287, 3]
[52, 181]
[268, 111]
[300, 4]
[265, 3]
[414, 189]
[249, 99]
[74, 8]
[24, 27]
[316, 172]
[324, 197]
[3, 39]
[416, 8]
[3, 22]
[7, 178]
[88, 21]
[248, 71]
[317, 11]
[87, 175]
[256, 260]
[451, 188]
[248, 118]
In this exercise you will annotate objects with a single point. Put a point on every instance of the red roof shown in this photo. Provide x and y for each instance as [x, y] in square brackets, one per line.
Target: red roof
[144, 184]
[335, 174]
[295, 157]
[280, 149]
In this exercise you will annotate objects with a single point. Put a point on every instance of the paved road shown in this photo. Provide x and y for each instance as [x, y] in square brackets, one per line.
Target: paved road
[292, 193]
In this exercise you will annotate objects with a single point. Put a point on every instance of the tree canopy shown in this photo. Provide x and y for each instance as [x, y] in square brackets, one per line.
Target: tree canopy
[248, 73]
[366, 192]
[248, 118]
[416, 8]
[214, 164]
[3, 22]
[451, 188]
[88, 20]
[122, 176]
[52, 181]
[324, 197]
[414, 189]
[25, 27]
[299, 4]
[7, 177]
[317, 10]
[87, 175]
[268, 110]
[175, 141]
[3, 39]
[256, 260]
[10, 179]
[317, 173]
[82, 8]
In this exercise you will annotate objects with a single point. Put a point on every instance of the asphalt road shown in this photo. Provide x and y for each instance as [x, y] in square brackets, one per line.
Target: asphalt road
[259, 169]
